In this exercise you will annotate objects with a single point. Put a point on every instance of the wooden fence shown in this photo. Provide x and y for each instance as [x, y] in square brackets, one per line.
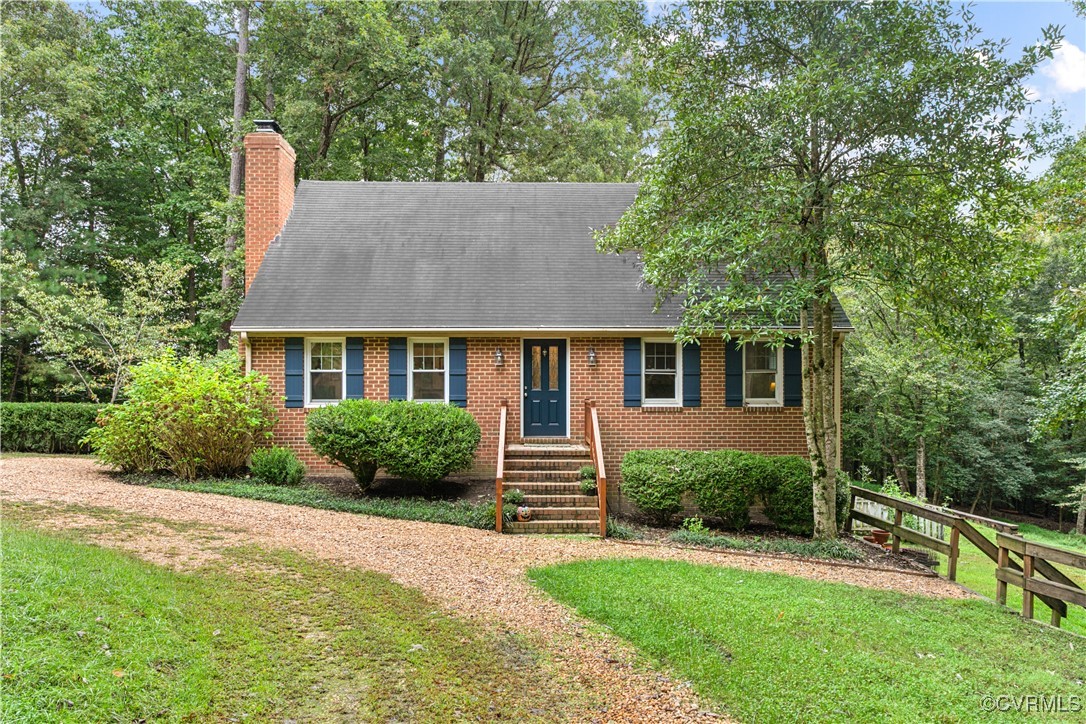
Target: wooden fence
[1037, 558]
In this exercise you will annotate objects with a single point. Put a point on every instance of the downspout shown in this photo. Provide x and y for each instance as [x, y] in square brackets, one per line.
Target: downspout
[839, 344]
[248, 352]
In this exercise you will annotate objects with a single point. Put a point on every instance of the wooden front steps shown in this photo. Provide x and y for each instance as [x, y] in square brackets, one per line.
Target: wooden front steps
[549, 475]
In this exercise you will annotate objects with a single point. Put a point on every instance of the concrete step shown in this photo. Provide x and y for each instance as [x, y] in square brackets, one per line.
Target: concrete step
[558, 476]
[562, 501]
[547, 451]
[582, 527]
[541, 487]
[565, 513]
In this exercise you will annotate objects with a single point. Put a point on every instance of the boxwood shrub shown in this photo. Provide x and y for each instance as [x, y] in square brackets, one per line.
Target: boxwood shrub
[276, 466]
[789, 497]
[418, 441]
[726, 482]
[47, 427]
[655, 480]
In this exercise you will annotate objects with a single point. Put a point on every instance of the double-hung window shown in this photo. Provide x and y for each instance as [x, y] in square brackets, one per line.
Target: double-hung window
[762, 369]
[662, 371]
[429, 370]
[324, 371]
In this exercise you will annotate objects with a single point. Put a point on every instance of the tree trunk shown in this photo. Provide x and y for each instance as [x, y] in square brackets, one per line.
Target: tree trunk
[820, 425]
[921, 469]
[237, 154]
[901, 473]
[1080, 521]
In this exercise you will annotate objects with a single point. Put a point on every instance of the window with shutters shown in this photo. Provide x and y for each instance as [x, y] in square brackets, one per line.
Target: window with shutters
[324, 370]
[428, 366]
[762, 372]
[661, 373]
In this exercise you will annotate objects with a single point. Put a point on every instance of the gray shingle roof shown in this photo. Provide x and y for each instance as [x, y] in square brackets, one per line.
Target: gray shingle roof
[360, 256]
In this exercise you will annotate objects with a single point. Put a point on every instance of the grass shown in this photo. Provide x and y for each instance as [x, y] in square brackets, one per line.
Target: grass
[768, 647]
[976, 572]
[91, 634]
[805, 548]
[453, 512]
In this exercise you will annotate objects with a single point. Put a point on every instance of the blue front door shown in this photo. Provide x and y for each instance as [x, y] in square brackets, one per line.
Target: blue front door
[544, 388]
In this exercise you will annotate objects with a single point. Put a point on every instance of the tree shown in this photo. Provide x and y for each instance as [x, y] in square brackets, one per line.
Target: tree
[96, 339]
[816, 144]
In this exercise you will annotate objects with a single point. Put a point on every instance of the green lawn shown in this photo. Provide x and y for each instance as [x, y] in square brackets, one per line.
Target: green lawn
[91, 634]
[976, 571]
[767, 647]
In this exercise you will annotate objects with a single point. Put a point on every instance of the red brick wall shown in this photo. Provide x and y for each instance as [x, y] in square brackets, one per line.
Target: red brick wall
[269, 194]
[777, 431]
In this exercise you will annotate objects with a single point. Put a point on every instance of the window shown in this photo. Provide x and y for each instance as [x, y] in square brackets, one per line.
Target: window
[661, 365]
[428, 371]
[324, 366]
[762, 373]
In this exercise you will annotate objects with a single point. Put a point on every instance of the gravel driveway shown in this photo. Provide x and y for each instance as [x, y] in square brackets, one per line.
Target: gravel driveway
[475, 574]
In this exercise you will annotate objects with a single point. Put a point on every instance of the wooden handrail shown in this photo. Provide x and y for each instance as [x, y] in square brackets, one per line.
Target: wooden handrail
[595, 447]
[499, 482]
[1037, 557]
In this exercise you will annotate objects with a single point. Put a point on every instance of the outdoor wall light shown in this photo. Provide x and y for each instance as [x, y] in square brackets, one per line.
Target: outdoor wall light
[592, 359]
[499, 358]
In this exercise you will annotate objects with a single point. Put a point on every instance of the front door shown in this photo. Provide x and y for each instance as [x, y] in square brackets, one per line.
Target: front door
[544, 388]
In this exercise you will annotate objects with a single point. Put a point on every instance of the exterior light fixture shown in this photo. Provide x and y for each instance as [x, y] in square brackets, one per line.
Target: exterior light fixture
[499, 358]
[592, 359]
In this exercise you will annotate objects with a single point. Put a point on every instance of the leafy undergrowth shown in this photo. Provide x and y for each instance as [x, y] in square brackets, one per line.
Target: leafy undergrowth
[768, 647]
[453, 512]
[806, 548]
[91, 634]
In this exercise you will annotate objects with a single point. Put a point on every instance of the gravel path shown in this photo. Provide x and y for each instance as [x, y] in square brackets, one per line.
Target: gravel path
[476, 574]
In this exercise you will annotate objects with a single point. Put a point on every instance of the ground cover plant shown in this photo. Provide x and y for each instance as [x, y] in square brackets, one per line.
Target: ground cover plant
[96, 635]
[453, 512]
[768, 647]
[695, 533]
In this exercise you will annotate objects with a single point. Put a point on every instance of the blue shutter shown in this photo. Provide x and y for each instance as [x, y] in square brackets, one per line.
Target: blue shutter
[458, 371]
[793, 374]
[355, 368]
[397, 368]
[294, 371]
[733, 374]
[631, 372]
[692, 375]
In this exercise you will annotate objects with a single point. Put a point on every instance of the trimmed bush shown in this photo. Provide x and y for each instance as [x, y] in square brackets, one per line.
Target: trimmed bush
[351, 433]
[192, 417]
[789, 501]
[277, 466]
[725, 483]
[47, 427]
[427, 442]
[414, 440]
[654, 480]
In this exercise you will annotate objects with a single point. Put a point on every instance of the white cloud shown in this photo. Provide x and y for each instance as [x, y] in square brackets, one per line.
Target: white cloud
[1067, 68]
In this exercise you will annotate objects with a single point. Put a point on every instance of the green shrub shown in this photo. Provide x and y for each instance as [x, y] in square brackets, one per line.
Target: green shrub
[513, 497]
[588, 472]
[277, 466]
[654, 480]
[193, 417]
[790, 496]
[588, 486]
[47, 427]
[426, 441]
[125, 438]
[414, 440]
[351, 433]
[725, 482]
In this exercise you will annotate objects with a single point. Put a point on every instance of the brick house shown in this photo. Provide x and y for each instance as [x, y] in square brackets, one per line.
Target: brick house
[478, 294]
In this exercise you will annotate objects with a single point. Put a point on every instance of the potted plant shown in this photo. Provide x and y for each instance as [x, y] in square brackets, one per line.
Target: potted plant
[880, 536]
[588, 480]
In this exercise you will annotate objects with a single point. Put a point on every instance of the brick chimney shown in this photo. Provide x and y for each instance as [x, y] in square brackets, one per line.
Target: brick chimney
[269, 191]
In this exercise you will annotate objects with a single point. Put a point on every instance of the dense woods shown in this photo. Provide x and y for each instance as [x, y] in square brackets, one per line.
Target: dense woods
[121, 205]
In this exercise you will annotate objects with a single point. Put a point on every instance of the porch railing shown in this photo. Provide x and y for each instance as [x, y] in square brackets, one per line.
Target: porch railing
[499, 482]
[595, 447]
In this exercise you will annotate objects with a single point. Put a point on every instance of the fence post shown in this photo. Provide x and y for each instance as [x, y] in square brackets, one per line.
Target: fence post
[1027, 595]
[897, 524]
[1001, 585]
[952, 563]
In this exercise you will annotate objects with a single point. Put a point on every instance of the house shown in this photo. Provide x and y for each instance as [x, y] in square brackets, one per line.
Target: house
[483, 294]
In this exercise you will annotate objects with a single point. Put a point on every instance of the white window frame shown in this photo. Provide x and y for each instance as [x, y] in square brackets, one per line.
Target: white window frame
[309, 342]
[676, 401]
[411, 365]
[765, 401]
